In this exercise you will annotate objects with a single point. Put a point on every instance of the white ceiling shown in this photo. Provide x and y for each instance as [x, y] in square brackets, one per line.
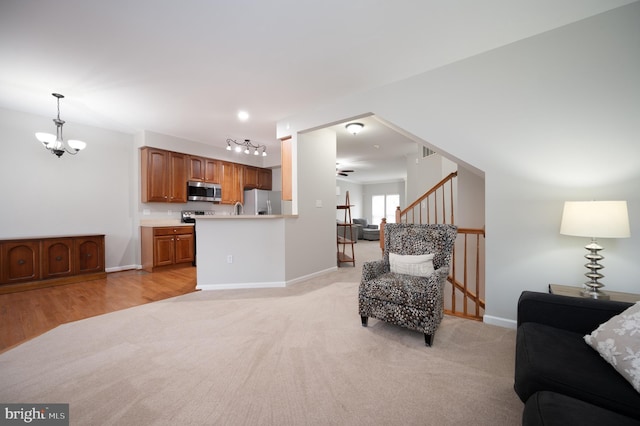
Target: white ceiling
[185, 68]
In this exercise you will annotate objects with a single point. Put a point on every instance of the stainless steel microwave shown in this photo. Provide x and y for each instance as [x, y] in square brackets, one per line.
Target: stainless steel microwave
[203, 191]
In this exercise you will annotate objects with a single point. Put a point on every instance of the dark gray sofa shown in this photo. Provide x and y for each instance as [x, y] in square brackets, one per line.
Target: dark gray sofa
[363, 225]
[561, 379]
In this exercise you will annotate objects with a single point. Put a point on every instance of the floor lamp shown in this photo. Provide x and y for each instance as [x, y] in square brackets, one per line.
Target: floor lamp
[595, 219]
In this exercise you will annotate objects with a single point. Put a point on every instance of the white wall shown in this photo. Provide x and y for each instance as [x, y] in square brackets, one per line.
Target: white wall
[89, 193]
[310, 239]
[547, 119]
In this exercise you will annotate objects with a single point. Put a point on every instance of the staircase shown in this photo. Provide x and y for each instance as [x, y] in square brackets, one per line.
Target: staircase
[464, 292]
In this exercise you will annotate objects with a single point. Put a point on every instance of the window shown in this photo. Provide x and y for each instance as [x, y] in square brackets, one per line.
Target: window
[384, 206]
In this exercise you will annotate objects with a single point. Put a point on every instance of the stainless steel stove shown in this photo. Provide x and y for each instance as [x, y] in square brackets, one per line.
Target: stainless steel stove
[189, 216]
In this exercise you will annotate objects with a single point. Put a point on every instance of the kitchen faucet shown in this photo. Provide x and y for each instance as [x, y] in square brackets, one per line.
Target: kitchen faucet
[238, 208]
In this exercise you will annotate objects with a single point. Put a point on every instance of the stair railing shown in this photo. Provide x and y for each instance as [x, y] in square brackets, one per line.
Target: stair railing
[464, 293]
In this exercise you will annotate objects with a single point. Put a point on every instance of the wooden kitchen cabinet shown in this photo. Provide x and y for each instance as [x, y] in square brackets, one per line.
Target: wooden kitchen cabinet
[250, 177]
[203, 169]
[257, 178]
[213, 171]
[30, 263]
[163, 176]
[232, 186]
[167, 246]
[196, 168]
[265, 179]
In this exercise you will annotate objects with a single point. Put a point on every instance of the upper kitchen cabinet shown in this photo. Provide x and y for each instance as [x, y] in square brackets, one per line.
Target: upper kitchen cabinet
[163, 175]
[232, 187]
[196, 168]
[257, 178]
[212, 171]
[250, 177]
[204, 169]
[265, 179]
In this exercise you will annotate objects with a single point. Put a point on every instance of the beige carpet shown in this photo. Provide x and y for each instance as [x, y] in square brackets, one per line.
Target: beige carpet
[299, 359]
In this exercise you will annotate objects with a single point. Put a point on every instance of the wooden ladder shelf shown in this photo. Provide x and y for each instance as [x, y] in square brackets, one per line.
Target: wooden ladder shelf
[345, 235]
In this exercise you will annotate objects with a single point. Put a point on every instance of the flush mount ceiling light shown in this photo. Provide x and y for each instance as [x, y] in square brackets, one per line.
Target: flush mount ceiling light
[55, 143]
[354, 128]
[247, 146]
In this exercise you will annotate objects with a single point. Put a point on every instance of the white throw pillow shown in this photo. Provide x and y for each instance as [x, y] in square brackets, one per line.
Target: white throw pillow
[618, 342]
[416, 265]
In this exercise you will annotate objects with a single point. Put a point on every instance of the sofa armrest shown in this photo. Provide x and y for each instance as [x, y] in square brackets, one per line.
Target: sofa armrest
[576, 314]
[371, 227]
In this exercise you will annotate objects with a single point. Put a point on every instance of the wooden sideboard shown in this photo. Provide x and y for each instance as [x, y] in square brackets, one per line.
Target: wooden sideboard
[36, 262]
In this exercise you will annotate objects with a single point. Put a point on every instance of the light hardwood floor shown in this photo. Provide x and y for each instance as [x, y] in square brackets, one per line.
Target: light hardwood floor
[27, 314]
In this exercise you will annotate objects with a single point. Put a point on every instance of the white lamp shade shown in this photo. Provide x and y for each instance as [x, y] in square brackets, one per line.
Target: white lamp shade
[596, 219]
[77, 145]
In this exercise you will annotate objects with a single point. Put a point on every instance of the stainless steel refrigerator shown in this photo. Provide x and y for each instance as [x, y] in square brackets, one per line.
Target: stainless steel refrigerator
[259, 201]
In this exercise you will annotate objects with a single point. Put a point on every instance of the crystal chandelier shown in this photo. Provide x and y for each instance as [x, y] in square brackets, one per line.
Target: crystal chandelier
[55, 143]
[247, 146]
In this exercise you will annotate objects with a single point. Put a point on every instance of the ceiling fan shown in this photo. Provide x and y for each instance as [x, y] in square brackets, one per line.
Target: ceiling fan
[341, 172]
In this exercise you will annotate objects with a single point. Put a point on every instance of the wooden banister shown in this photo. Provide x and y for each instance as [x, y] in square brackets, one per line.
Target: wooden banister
[466, 276]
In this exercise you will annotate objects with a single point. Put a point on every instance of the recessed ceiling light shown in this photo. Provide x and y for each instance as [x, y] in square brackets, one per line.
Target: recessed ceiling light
[243, 115]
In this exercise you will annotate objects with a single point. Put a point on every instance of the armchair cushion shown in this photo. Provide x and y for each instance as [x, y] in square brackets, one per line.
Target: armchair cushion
[416, 265]
[618, 342]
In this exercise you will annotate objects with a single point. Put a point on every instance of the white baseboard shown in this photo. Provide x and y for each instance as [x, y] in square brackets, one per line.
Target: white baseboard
[122, 268]
[310, 276]
[273, 284]
[232, 286]
[500, 322]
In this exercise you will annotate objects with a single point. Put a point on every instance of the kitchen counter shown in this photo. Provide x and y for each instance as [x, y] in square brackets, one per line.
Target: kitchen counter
[241, 251]
[245, 216]
[152, 223]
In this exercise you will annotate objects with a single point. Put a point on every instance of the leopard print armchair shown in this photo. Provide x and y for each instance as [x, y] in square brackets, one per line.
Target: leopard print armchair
[414, 302]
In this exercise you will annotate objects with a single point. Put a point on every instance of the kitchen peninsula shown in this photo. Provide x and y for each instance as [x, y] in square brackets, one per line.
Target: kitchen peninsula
[240, 251]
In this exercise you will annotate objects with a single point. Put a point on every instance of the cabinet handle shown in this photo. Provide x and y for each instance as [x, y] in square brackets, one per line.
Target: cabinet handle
[21, 262]
[88, 254]
[58, 258]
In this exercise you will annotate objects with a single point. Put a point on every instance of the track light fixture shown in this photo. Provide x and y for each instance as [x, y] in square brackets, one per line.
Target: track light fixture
[247, 147]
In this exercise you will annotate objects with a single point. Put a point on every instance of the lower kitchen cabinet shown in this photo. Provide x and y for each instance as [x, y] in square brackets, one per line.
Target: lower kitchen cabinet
[167, 246]
[31, 263]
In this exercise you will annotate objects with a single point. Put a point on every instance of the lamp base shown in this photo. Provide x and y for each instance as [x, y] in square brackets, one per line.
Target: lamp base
[592, 287]
[594, 293]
